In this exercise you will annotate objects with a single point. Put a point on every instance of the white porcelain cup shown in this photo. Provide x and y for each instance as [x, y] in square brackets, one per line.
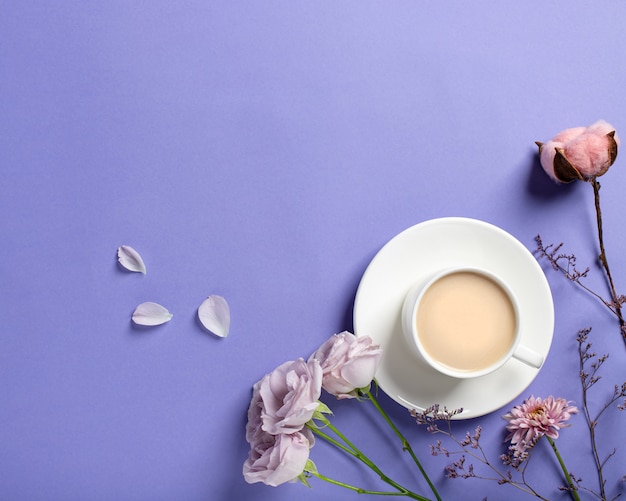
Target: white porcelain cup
[465, 323]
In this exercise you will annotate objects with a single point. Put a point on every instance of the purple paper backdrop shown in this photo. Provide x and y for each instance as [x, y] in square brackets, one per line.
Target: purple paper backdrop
[265, 151]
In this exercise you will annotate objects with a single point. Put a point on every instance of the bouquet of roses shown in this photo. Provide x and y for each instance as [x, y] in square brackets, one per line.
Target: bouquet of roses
[285, 415]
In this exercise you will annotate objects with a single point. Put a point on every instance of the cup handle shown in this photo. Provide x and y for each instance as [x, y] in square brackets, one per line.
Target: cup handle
[528, 356]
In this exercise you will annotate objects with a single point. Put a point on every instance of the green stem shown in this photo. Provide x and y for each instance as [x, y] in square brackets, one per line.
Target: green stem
[331, 440]
[358, 490]
[353, 450]
[406, 446]
[572, 488]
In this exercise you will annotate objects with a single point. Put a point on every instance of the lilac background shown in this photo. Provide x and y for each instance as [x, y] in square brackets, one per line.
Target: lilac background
[265, 151]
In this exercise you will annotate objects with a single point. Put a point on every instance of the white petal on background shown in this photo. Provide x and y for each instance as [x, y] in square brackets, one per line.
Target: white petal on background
[214, 314]
[130, 259]
[151, 314]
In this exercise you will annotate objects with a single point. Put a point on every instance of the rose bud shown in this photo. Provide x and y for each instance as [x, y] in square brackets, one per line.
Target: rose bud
[580, 153]
[348, 363]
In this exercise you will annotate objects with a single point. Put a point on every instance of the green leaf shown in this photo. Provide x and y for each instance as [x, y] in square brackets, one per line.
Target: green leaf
[303, 479]
[320, 411]
[323, 408]
[310, 466]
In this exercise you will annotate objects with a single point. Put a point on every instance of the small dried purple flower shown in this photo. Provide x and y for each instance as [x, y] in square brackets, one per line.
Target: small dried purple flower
[535, 418]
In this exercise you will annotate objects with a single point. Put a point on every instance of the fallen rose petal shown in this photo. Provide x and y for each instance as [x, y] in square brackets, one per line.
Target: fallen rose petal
[151, 314]
[214, 314]
[130, 259]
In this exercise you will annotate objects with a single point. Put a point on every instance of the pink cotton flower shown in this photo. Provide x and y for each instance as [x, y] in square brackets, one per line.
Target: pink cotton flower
[348, 363]
[580, 152]
[290, 396]
[535, 418]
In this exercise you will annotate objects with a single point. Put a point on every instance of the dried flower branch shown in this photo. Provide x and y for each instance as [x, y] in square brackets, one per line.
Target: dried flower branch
[590, 364]
[440, 422]
[618, 300]
[566, 264]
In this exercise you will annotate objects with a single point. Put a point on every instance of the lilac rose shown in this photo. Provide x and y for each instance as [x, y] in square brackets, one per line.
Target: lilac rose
[254, 433]
[348, 363]
[290, 396]
[282, 402]
[276, 459]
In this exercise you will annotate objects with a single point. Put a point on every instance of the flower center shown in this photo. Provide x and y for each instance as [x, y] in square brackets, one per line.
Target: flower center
[537, 412]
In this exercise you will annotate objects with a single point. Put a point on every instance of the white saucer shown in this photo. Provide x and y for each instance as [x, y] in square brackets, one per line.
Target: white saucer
[419, 252]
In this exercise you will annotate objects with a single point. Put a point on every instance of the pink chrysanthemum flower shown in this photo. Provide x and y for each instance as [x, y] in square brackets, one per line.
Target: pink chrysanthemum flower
[535, 418]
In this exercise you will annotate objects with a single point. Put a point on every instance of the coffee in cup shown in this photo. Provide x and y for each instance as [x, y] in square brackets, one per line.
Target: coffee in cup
[464, 322]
